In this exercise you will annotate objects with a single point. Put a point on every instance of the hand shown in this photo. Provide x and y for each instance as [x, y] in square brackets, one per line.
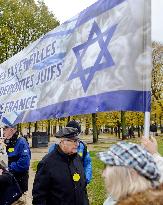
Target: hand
[2, 143]
[1, 171]
[149, 144]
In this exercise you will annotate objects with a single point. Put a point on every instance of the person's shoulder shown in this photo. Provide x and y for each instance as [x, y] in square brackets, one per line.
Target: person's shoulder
[82, 144]
[52, 147]
[49, 157]
[21, 140]
[7, 176]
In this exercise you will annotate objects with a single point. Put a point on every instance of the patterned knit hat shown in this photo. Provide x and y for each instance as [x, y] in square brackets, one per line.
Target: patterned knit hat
[131, 155]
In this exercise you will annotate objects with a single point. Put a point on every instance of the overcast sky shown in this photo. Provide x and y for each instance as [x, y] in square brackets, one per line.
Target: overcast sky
[65, 9]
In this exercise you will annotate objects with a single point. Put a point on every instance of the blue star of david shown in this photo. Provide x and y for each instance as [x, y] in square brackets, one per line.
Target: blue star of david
[86, 75]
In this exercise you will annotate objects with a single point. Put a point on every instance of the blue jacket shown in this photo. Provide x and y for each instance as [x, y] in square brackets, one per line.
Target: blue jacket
[84, 154]
[19, 156]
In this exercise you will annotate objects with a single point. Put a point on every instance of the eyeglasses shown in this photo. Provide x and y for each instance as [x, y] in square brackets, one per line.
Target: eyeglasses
[73, 140]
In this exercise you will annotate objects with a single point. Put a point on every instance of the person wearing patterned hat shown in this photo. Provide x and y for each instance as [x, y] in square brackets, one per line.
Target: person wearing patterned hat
[82, 151]
[60, 177]
[129, 169]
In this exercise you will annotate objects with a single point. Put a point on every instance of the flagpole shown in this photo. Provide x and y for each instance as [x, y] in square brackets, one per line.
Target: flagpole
[146, 124]
[1, 128]
[147, 113]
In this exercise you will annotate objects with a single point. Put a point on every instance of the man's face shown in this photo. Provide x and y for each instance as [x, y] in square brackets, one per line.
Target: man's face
[8, 132]
[69, 146]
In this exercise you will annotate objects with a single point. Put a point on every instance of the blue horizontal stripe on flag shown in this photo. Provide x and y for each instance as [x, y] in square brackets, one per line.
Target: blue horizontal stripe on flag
[59, 33]
[6, 122]
[96, 9]
[126, 100]
[49, 61]
[89, 13]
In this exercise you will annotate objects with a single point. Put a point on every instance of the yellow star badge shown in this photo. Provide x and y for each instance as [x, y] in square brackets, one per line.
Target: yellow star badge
[11, 150]
[76, 177]
[80, 154]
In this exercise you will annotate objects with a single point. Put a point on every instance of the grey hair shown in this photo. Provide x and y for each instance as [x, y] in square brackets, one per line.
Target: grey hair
[121, 181]
[58, 140]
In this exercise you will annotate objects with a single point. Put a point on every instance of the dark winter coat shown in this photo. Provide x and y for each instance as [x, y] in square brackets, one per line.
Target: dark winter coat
[5, 181]
[9, 189]
[57, 180]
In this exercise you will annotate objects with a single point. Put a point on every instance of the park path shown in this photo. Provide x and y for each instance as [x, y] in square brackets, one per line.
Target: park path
[36, 155]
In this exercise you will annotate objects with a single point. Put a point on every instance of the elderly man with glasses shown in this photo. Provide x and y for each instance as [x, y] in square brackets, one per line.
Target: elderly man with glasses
[81, 150]
[60, 177]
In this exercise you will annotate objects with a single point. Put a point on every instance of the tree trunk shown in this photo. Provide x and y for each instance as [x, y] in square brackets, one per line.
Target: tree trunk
[29, 128]
[19, 129]
[42, 126]
[36, 126]
[119, 129]
[123, 123]
[54, 130]
[111, 130]
[48, 130]
[138, 131]
[138, 128]
[160, 121]
[60, 126]
[142, 128]
[94, 126]
[87, 127]
[68, 119]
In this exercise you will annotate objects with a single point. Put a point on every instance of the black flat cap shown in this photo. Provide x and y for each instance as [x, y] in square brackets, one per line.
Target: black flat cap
[67, 132]
[74, 124]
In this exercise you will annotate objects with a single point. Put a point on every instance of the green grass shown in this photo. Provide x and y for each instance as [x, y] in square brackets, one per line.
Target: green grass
[34, 165]
[96, 190]
[160, 146]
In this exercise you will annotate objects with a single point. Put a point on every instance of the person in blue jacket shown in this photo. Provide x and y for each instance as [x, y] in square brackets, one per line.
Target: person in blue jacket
[19, 156]
[82, 151]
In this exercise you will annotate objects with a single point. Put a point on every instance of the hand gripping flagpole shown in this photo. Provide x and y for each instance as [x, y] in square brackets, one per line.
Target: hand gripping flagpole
[1, 129]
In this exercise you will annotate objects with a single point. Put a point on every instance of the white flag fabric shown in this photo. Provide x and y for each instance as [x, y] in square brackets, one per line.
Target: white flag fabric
[100, 60]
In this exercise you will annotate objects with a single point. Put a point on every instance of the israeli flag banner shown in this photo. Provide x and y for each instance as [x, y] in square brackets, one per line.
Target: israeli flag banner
[100, 60]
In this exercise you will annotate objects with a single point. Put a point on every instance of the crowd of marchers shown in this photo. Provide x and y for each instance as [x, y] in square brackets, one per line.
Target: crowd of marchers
[133, 173]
